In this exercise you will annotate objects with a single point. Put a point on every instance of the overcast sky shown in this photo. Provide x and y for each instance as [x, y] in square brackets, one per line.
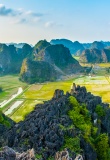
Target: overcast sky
[32, 20]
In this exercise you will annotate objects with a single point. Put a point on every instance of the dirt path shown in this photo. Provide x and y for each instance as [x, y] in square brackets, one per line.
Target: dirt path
[5, 102]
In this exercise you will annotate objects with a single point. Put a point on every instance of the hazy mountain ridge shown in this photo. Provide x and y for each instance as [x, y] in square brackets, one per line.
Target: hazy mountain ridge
[76, 47]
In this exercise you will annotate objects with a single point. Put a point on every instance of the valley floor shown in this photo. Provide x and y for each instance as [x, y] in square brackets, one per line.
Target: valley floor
[37, 93]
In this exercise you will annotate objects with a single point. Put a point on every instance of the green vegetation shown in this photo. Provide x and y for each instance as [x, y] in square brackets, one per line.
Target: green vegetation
[102, 147]
[37, 71]
[80, 117]
[1, 89]
[38, 156]
[98, 85]
[46, 91]
[72, 143]
[82, 120]
[76, 57]
[100, 111]
[10, 85]
[4, 120]
[95, 55]
[24, 109]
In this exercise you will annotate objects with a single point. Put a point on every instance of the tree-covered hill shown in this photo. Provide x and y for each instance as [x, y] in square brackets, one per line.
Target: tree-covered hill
[37, 71]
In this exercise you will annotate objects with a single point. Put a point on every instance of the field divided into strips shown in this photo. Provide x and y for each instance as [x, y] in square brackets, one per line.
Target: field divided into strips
[37, 93]
[45, 91]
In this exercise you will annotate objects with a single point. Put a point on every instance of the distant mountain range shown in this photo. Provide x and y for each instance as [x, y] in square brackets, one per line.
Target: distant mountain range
[18, 45]
[95, 52]
[76, 47]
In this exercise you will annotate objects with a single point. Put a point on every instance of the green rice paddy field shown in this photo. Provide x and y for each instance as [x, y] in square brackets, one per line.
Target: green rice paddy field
[10, 85]
[37, 93]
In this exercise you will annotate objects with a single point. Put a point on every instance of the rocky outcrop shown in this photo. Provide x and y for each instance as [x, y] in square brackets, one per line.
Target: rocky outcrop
[9, 154]
[49, 127]
[91, 102]
[41, 128]
[63, 155]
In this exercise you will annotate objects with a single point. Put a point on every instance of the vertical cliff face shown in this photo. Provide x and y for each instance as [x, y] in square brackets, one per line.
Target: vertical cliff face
[37, 71]
[60, 56]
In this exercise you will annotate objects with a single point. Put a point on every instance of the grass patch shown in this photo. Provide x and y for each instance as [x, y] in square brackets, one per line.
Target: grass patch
[10, 85]
[24, 110]
[46, 91]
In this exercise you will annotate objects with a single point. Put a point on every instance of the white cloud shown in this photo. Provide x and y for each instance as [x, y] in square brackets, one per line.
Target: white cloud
[19, 21]
[18, 12]
[50, 24]
[34, 14]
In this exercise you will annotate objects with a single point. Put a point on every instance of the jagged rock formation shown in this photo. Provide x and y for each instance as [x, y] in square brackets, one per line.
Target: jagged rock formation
[63, 155]
[77, 121]
[9, 154]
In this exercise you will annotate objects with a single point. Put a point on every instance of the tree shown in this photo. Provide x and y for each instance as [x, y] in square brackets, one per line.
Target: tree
[102, 146]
